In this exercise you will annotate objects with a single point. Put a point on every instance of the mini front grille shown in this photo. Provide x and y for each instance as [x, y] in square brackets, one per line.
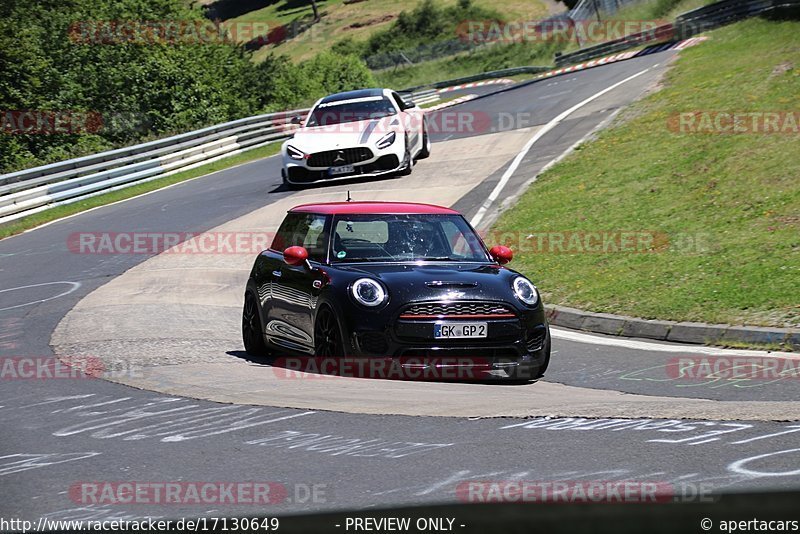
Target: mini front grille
[335, 158]
[466, 310]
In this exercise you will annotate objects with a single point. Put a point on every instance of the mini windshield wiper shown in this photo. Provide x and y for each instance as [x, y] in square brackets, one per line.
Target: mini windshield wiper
[436, 258]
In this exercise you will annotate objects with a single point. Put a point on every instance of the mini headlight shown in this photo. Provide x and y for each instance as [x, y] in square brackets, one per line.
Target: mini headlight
[368, 292]
[525, 291]
[294, 153]
[387, 140]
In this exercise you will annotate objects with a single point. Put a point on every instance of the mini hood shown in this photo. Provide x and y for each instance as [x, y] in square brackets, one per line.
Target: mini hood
[432, 281]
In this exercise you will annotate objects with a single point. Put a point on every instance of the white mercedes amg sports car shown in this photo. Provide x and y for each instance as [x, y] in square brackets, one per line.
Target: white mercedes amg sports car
[369, 132]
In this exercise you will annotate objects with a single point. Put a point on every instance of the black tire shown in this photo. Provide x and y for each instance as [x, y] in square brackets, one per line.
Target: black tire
[546, 363]
[426, 145]
[286, 184]
[252, 336]
[408, 160]
[327, 335]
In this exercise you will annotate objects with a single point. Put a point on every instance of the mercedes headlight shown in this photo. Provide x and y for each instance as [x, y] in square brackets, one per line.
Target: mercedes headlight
[294, 153]
[525, 291]
[387, 140]
[368, 292]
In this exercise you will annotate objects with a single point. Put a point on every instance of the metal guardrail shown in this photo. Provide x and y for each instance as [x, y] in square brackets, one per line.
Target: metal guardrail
[425, 52]
[32, 190]
[659, 34]
[686, 25]
[727, 11]
[598, 9]
[111, 156]
[37, 189]
[421, 98]
[478, 77]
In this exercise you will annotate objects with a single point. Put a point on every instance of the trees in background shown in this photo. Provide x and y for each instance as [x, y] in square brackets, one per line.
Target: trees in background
[428, 22]
[57, 55]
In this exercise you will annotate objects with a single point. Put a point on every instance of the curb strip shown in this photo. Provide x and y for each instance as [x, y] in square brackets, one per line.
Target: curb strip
[674, 331]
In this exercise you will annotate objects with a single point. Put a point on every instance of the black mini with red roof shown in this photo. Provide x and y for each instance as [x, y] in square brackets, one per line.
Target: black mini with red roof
[400, 281]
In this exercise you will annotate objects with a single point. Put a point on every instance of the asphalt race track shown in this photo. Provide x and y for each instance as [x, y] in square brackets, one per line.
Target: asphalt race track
[185, 403]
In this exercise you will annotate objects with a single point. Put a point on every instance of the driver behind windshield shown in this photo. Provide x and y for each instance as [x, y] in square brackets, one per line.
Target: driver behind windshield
[330, 113]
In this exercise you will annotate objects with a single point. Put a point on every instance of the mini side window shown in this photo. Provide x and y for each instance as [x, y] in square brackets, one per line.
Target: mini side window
[304, 230]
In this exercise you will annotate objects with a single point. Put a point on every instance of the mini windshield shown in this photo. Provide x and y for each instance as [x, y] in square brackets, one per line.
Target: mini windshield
[370, 238]
[359, 109]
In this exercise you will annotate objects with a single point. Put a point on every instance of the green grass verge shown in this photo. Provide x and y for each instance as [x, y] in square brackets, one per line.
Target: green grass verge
[32, 221]
[491, 58]
[356, 20]
[726, 206]
[658, 9]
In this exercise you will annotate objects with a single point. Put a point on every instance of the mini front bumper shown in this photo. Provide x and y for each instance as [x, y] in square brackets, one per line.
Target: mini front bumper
[514, 348]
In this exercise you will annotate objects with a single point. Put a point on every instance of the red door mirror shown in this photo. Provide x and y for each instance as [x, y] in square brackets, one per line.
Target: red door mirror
[295, 255]
[501, 254]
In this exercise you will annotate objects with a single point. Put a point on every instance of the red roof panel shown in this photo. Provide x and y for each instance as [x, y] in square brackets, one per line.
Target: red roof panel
[384, 208]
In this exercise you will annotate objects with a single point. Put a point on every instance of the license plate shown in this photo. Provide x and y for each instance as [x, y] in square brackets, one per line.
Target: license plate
[459, 330]
[344, 169]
